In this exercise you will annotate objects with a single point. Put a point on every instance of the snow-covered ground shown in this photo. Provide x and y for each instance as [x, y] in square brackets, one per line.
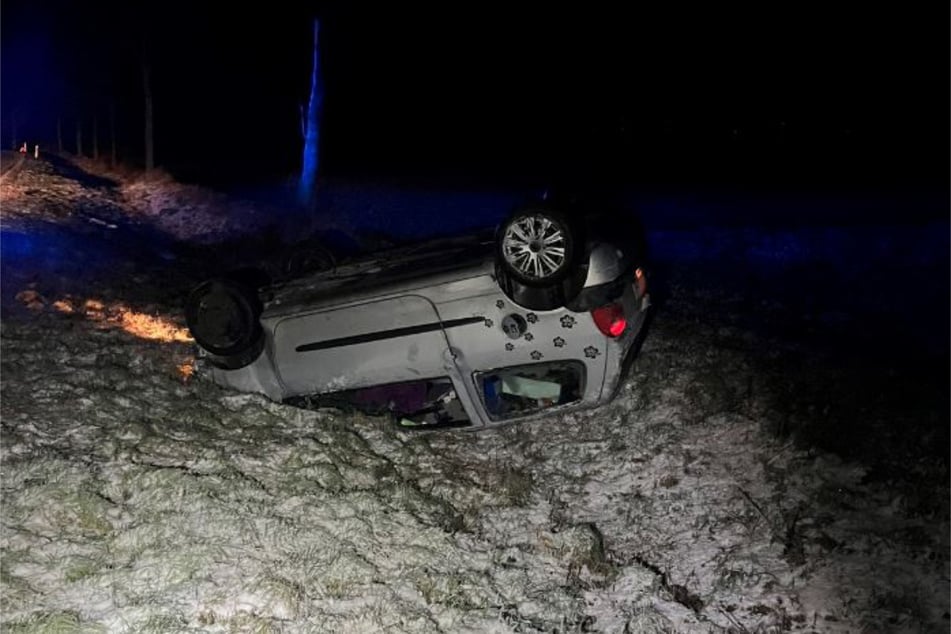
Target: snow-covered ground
[138, 497]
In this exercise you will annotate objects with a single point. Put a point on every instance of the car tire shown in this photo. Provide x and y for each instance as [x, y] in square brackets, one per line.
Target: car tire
[222, 315]
[538, 246]
[556, 285]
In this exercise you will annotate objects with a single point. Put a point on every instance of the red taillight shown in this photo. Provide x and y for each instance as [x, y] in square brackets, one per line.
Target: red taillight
[610, 320]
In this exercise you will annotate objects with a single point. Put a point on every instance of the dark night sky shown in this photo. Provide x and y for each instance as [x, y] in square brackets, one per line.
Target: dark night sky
[790, 92]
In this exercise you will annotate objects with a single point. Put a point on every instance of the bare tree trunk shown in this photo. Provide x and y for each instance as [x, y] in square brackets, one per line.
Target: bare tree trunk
[95, 137]
[149, 148]
[112, 131]
[59, 134]
[307, 188]
[79, 136]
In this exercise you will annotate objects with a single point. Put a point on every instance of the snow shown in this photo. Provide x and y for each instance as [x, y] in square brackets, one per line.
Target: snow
[141, 498]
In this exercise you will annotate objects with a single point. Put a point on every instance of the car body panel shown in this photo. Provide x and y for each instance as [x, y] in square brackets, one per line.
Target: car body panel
[380, 341]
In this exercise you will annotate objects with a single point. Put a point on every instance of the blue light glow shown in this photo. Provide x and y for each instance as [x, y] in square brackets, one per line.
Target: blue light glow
[308, 179]
[55, 250]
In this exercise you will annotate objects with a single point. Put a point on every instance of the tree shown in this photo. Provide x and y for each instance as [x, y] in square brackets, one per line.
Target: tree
[112, 132]
[149, 147]
[95, 137]
[307, 188]
[79, 135]
[14, 140]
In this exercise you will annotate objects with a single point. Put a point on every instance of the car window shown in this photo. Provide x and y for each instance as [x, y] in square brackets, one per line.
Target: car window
[423, 403]
[525, 389]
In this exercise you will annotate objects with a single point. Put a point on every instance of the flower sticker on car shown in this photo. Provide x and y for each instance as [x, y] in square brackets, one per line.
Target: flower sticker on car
[529, 336]
[536, 355]
[591, 352]
[559, 342]
[567, 321]
[500, 304]
[531, 318]
[489, 323]
[510, 346]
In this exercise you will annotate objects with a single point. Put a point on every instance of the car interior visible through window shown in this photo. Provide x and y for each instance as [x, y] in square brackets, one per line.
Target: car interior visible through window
[524, 389]
[424, 403]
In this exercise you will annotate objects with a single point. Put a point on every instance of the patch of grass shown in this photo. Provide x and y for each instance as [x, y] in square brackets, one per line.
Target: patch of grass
[515, 485]
[207, 617]
[161, 623]
[80, 568]
[289, 593]
[244, 623]
[51, 623]
[89, 517]
[8, 558]
[448, 590]
[904, 605]
[338, 588]
[589, 553]
[411, 497]
[710, 393]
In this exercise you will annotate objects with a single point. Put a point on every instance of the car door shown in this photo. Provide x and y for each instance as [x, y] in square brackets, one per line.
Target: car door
[507, 336]
[369, 343]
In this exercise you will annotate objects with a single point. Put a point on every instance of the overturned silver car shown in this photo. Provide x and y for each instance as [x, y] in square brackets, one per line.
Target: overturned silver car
[473, 331]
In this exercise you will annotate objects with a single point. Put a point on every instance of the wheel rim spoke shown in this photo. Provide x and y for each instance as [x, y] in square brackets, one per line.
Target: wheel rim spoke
[552, 265]
[546, 223]
[554, 238]
[537, 264]
[519, 259]
[520, 232]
